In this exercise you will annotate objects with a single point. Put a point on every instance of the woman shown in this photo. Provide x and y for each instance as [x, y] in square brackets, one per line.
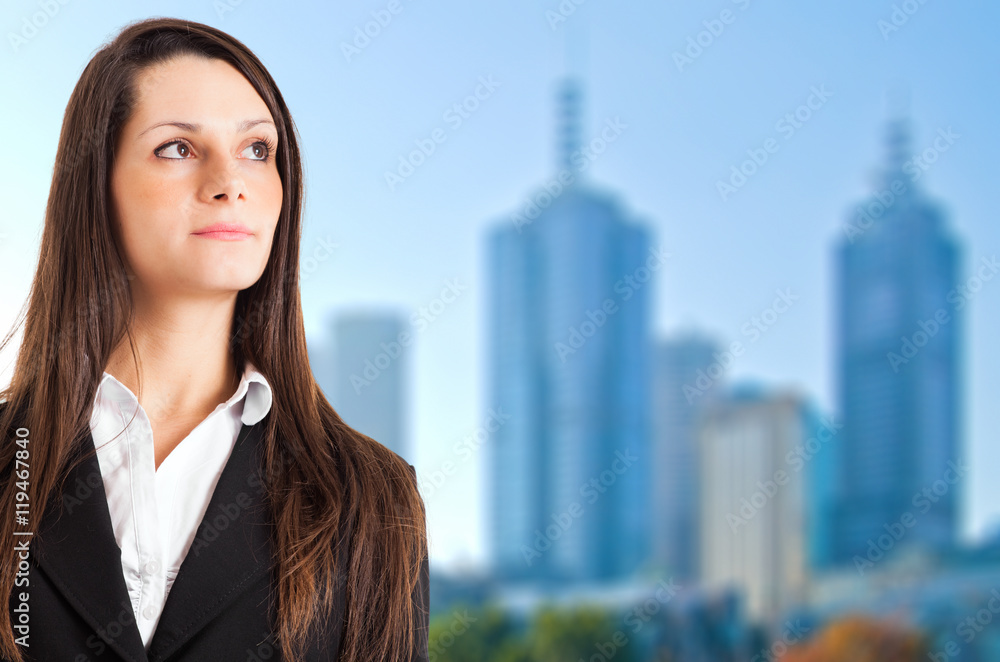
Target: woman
[164, 339]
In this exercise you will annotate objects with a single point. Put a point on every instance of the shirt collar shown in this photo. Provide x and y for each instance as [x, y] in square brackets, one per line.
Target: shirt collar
[258, 395]
[253, 385]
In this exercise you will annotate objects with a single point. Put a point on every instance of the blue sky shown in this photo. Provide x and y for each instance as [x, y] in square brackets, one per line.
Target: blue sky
[686, 126]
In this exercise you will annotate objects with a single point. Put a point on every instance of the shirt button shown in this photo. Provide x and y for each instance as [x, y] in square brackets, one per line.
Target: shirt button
[148, 612]
[152, 567]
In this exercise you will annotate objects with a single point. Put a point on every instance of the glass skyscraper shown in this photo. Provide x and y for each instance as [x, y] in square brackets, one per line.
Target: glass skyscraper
[568, 327]
[364, 375]
[679, 364]
[899, 329]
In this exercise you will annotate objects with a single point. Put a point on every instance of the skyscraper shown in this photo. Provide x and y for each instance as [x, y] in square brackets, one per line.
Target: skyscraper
[365, 380]
[754, 519]
[679, 364]
[569, 356]
[898, 334]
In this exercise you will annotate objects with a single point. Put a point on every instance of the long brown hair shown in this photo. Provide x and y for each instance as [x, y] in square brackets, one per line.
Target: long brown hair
[320, 472]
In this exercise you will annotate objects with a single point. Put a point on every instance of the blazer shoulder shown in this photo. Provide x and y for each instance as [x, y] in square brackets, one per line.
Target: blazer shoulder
[403, 460]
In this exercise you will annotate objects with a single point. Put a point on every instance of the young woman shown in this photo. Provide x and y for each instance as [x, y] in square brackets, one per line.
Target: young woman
[174, 484]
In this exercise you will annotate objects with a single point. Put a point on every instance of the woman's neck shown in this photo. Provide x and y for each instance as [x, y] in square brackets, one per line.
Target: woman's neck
[187, 367]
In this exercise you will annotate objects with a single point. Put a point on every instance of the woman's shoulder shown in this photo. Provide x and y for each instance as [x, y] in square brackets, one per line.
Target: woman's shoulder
[398, 461]
[381, 457]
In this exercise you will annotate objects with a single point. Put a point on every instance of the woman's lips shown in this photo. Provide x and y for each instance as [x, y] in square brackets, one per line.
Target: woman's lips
[225, 232]
[225, 236]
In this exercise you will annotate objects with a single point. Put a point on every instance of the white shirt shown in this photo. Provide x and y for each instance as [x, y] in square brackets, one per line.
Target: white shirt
[156, 512]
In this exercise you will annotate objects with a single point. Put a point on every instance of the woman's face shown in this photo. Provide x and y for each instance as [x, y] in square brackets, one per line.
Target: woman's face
[193, 155]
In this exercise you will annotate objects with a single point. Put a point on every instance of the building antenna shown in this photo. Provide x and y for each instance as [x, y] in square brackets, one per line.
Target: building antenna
[898, 131]
[569, 119]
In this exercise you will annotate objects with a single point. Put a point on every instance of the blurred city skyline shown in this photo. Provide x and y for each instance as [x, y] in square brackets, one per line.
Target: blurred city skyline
[686, 124]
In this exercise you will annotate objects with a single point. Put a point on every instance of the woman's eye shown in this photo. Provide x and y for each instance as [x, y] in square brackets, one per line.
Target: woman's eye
[257, 151]
[181, 149]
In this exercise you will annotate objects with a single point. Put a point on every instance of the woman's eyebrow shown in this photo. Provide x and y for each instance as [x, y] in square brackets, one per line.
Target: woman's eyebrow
[245, 125]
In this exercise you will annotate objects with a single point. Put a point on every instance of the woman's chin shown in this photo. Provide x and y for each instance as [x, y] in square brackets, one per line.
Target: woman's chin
[203, 284]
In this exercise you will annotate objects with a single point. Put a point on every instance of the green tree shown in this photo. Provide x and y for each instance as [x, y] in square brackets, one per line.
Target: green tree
[475, 635]
[566, 635]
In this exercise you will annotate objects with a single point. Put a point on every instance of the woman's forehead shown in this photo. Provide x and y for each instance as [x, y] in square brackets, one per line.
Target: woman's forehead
[190, 84]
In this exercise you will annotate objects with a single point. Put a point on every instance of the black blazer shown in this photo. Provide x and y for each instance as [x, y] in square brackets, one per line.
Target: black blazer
[220, 607]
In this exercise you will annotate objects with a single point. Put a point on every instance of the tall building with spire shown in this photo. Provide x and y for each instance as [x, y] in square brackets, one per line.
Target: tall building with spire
[898, 334]
[570, 280]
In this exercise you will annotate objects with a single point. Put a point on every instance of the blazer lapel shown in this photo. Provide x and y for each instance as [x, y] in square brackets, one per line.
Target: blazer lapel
[76, 548]
[231, 548]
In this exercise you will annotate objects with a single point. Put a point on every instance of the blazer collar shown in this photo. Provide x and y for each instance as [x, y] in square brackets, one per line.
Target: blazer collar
[76, 548]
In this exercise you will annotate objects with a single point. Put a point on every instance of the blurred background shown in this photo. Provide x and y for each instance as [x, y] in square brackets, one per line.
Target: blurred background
[684, 312]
